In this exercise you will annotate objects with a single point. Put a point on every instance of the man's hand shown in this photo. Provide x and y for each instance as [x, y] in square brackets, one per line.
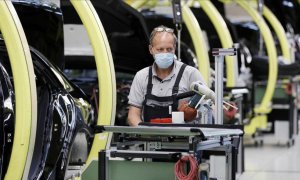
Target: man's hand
[189, 113]
[230, 113]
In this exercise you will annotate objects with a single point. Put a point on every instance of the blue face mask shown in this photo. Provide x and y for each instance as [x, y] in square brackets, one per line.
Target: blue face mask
[164, 60]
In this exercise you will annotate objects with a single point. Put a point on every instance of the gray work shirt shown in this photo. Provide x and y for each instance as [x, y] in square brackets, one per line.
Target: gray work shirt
[163, 87]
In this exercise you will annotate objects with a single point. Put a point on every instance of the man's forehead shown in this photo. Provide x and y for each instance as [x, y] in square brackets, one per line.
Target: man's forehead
[163, 36]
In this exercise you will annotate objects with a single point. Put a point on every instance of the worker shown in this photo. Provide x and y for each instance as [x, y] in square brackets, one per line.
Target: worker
[154, 88]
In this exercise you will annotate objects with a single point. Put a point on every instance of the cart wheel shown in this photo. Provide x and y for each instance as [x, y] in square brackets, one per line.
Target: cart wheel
[128, 158]
[261, 143]
[256, 144]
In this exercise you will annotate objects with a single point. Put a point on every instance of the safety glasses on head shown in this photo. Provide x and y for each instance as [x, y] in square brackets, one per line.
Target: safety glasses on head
[162, 29]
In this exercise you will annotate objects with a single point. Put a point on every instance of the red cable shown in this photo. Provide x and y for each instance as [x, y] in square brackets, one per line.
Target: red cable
[179, 168]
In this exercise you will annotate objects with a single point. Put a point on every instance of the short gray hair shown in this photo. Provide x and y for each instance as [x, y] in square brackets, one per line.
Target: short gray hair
[165, 28]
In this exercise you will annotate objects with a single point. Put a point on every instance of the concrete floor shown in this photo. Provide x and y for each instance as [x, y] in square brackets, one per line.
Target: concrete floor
[272, 162]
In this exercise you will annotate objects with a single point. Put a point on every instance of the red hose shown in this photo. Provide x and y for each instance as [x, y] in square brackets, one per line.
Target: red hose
[179, 168]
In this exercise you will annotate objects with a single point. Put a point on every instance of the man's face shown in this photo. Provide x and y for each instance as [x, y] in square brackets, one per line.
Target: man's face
[163, 42]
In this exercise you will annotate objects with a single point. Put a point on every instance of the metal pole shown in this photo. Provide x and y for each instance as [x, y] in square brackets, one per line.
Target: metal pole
[219, 61]
[260, 6]
[102, 165]
[177, 19]
[178, 43]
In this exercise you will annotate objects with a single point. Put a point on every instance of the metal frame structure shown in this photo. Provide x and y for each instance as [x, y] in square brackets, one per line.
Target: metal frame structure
[279, 30]
[199, 42]
[25, 91]
[219, 64]
[214, 139]
[264, 108]
[225, 38]
[106, 76]
[272, 54]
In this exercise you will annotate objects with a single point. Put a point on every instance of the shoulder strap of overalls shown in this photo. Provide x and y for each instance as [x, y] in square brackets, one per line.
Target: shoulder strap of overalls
[179, 76]
[149, 85]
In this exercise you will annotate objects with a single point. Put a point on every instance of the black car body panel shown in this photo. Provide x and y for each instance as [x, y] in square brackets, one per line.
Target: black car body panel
[7, 115]
[287, 12]
[43, 27]
[64, 110]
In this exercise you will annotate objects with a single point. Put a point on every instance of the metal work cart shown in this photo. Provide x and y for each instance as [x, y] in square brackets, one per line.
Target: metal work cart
[165, 145]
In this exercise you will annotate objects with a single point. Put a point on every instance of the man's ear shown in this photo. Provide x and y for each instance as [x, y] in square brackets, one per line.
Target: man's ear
[150, 49]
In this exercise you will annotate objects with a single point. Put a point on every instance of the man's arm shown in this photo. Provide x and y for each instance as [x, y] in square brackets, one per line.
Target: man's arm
[136, 97]
[134, 116]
